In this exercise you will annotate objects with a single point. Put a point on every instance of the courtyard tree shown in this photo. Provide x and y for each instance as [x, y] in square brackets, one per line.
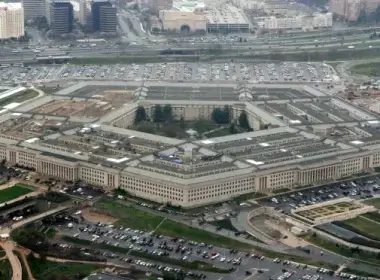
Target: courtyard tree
[243, 121]
[167, 113]
[220, 116]
[157, 114]
[182, 123]
[140, 115]
[232, 128]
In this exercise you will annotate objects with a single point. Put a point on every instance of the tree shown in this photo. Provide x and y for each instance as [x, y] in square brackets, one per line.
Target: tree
[167, 113]
[146, 127]
[157, 114]
[232, 128]
[140, 115]
[243, 121]
[182, 123]
[220, 116]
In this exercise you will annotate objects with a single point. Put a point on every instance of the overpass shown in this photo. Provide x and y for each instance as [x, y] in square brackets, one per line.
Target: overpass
[33, 219]
[22, 207]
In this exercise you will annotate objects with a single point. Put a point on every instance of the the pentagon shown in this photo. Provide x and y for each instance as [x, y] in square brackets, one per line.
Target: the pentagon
[301, 136]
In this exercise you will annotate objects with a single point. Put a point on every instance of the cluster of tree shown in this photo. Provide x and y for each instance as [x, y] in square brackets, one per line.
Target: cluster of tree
[164, 114]
[172, 276]
[221, 116]
[160, 114]
[38, 242]
[55, 197]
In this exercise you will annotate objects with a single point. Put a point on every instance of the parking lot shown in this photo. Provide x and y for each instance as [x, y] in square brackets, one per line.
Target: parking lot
[264, 72]
[357, 189]
[241, 264]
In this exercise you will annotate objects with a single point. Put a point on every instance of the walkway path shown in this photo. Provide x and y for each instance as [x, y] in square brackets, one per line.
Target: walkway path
[14, 261]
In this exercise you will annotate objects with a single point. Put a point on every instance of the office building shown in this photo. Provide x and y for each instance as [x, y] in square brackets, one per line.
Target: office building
[34, 9]
[103, 16]
[315, 21]
[314, 139]
[11, 20]
[61, 17]
[350, 9]
[84, 12]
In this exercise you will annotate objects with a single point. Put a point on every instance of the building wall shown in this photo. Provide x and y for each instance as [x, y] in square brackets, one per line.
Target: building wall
[174, 20]
[11, 20]
[61, 17]
[147, 184]
[34, 9]
[299, 22]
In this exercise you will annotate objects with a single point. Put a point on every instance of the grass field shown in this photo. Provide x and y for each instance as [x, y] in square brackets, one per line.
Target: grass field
[369, 69]
[374, 216]
[341, 249]
[21, 97]
[224, 224]
[132, 217]
[14, 192]
[47, 270]
[360, 273]
[374, 202]
[364, 227]
[5, 270]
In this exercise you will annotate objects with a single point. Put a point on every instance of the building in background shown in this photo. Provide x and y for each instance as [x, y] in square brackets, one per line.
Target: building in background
[351, 9]
[61, 17]
[34, 9]
[84, 12]
[11, 20]
[311, 22]
[103, 15]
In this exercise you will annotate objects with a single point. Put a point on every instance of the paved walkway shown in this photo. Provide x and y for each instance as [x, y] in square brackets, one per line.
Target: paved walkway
[13, 259]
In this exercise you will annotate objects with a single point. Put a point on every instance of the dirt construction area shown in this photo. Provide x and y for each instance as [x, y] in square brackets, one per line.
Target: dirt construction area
[327, 210]
[96, 217]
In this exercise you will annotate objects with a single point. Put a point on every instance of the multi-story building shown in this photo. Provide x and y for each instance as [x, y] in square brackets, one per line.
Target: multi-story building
[34, 9]
[11, 20]
[315, 138]
[61, 17]
[84, 12]
[315, 21]
[351, 9]
[103, 16]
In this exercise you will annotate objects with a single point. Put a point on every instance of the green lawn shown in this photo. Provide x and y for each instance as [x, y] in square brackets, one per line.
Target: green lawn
[374, 216]
[21, 97]
[341, 249]
[14, 192]
[374, 202]
[364, 227]
[47, 270]
[176, 229]
[130, 216]
[224, 224]
[360, 273]
[369, 69]
[5, 270]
